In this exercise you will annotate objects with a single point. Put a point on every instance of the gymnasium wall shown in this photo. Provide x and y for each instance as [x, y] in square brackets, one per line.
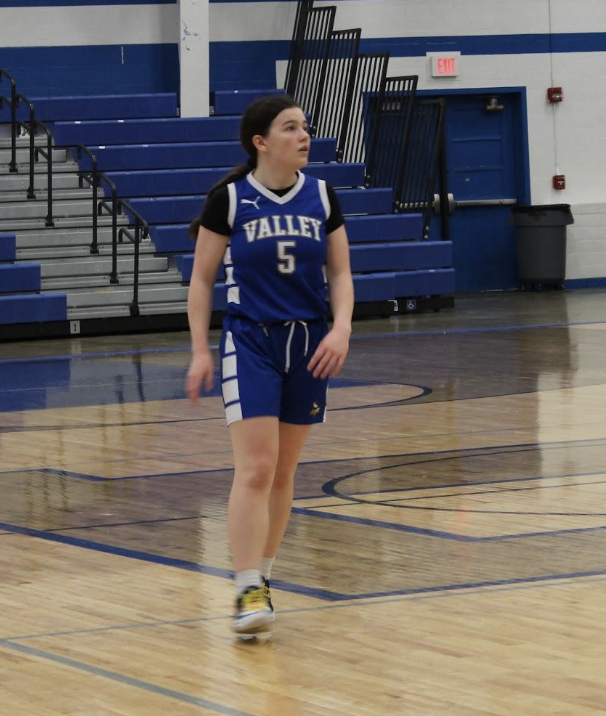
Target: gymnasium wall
[95, 46]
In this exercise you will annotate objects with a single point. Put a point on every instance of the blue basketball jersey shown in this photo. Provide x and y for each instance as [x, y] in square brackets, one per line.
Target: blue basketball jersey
[276, 256]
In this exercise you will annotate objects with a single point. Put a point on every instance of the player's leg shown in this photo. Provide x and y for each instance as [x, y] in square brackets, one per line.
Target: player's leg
[251, 392]
[292, 440]
[255, 444]
[303, 404]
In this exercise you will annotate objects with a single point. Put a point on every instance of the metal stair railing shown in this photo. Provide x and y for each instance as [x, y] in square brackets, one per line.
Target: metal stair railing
[141, 233]
[425, 164]
[336, 83]
[311, 63]
[389, 119]
[369, 72]
[296, 46]
[93, 177]
[12, 103]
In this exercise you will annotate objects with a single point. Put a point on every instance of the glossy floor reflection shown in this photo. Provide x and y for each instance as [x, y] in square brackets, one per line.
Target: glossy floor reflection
[446, 552]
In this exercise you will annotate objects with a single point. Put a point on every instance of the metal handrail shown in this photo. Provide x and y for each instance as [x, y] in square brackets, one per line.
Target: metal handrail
[32, 139]
[92, 178]
[113, 210]
[48, 155]
[13, 105]
[140, 223]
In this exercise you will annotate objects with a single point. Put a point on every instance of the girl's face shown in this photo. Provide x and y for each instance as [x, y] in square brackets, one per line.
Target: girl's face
[287, 142]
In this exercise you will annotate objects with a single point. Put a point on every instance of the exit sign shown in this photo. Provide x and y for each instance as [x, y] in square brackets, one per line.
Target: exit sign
[444, 64]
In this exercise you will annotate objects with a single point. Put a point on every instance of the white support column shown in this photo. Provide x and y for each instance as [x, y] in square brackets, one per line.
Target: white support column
[194, 57]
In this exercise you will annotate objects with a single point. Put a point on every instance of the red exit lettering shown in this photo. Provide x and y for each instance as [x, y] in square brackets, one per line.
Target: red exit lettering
[446, 66]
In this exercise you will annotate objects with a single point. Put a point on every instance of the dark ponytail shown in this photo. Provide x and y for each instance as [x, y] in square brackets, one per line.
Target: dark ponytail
[256, 119]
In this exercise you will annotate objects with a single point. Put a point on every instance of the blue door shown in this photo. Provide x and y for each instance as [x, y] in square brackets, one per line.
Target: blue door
[486, 154]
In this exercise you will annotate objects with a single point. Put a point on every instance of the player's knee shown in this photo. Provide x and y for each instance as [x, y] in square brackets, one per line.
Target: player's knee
[283, 480]
[259, 474]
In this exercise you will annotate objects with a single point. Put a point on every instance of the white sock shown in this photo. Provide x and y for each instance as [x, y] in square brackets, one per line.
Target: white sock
[266, 565]
[247, 578]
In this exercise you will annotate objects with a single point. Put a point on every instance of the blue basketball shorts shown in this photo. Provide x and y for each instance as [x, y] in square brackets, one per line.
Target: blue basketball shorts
[264, 370]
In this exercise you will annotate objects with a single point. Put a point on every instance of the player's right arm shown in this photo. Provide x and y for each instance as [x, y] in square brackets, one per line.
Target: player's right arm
[210, 248]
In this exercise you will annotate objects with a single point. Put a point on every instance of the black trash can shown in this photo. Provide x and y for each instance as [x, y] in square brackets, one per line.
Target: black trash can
[541, 243]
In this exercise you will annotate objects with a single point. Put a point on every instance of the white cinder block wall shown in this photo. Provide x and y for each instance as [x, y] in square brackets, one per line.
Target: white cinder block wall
[568, 138]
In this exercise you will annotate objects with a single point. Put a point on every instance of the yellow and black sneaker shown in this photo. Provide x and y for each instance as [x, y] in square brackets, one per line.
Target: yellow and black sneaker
[254, 614]
[267, 592]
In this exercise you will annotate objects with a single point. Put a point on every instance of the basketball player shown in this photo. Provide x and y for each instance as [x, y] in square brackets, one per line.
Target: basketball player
[280, 234]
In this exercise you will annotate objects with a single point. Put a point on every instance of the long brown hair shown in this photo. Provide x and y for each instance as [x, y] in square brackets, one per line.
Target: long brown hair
[256, 119]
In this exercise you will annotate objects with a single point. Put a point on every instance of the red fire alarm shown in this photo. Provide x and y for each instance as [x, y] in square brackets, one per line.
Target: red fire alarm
[555, 94]
[559, 182]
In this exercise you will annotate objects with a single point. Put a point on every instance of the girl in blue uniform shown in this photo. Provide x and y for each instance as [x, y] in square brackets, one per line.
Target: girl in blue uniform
[281, 237]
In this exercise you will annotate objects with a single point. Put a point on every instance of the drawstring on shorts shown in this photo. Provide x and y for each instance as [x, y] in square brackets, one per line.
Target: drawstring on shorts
[292, 325]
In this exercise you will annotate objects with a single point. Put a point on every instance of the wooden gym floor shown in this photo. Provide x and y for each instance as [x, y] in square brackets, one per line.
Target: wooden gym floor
[446, 555]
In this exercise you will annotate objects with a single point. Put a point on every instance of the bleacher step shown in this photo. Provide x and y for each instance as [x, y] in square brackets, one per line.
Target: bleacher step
[40, 167]
[17, 225]
[74, 314]
[83, 267]
[20, 196]
[60, 253]
[163, 308]
[72, 283]
[59, 155]
[20, 181]
[113, 296]
[22, 142]
[38, 209]
[62, 237]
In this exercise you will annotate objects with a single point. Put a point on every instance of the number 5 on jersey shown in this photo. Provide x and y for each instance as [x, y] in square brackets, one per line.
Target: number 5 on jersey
[286, 261]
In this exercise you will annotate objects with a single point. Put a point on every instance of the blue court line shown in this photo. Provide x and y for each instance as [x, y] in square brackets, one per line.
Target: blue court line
[104, 354]
[456, 454]
[485, 329]
[391, 502]
[320, 608]
[162, 560]
[313, 512]
[424, 391]
[419, 594]
[122, 678]
[329, 487]
[381, 524]
[354, 336]
[288, 586]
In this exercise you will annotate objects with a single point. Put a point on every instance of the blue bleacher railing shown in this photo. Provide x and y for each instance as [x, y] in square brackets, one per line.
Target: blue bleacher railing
[12, 103]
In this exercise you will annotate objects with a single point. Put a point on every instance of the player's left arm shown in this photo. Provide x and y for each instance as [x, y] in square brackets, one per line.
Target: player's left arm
[332, 351]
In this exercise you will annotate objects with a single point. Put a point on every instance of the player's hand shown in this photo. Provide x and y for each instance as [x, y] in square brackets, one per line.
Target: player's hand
[330, 354]
[201, 372]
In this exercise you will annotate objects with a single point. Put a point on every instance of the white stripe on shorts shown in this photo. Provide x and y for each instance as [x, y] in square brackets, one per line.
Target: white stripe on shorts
[233, 413]
[229, 343]
[229, 367]
[231, 393]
